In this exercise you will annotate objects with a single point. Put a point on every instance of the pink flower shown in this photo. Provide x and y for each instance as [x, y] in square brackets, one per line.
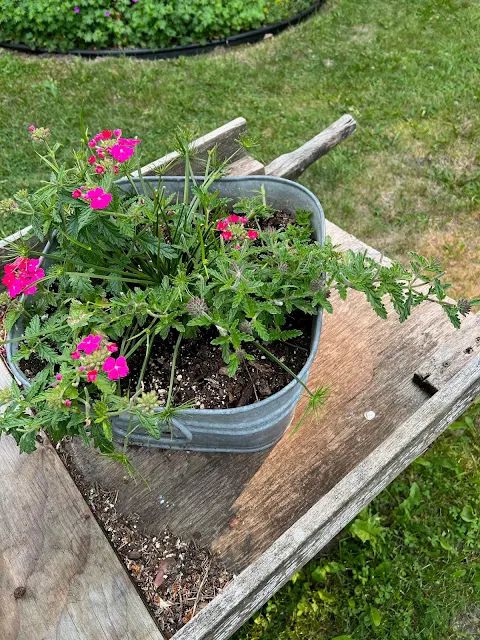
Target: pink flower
[76, 9]
[98, 136]
[21, 275]
[237, 246]
[92, 375]
[129, 142]
[91, 143]
[31, 128]
[101, 202]
[107, 14]
[76, 193]
[112, 347]
[90, 344]
[243, 220]
[121, 153]
[59, 376]
[106, 133]
[99, 169]
[98, 198]
[233, 218]
[226, 235]
[222, 225]
[68, 403]
[115, 368]
[92, 160]
[252, 235]
[115, 169]
[117, 133]
[76, 355]
[81, 369]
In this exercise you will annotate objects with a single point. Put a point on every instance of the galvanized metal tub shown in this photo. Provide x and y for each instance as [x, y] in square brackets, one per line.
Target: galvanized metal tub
[254, 427]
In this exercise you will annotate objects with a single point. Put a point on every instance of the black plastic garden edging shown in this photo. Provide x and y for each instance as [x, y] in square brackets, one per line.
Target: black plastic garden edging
[175, 52]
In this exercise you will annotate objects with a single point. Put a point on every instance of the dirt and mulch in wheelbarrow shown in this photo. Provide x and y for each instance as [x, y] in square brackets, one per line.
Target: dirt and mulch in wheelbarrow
[176, 578]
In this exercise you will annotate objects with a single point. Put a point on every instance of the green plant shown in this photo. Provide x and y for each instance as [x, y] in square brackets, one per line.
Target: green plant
[84, 24]
[130, 264]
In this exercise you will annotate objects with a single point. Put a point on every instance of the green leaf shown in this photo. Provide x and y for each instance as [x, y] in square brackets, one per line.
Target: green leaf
[376, 616]
[33, 328]
[27, 442]
[10, 319]
[468, 514]
[46, 352]
[107, 429]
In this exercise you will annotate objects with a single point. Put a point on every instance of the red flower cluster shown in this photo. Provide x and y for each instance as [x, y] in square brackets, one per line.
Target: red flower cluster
[21, 275]
[110, 149]
[232, 228]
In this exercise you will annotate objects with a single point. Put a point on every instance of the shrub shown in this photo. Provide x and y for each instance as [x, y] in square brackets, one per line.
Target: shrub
[104, 24]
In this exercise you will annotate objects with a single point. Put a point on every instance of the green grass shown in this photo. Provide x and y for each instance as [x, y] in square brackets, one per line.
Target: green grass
[408, 179]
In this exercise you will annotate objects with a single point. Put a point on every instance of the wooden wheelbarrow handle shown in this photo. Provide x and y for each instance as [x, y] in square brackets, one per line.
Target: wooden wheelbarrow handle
[291, 165]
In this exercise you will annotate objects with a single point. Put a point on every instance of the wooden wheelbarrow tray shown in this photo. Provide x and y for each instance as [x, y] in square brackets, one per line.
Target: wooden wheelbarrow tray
[264, 514]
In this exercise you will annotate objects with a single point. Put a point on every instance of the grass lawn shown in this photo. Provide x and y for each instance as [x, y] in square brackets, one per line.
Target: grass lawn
[408, 179]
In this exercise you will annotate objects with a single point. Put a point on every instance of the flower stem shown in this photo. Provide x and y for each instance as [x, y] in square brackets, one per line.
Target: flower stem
[172, 372]
[283, 365]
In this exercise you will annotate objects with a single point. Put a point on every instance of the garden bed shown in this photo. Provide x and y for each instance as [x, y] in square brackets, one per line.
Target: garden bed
[139, 30]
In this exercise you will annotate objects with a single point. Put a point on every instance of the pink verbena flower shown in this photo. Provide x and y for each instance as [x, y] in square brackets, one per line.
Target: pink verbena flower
[59, 376]
[89, 344]
[68, 403]
[92, 375]
[98, 198]
[252, 235]
[117, 133]
[99, 169]
[226, 235]
[31, 127]
[112, 347]
[106, 133]
[115, 369]
[91, 143]
[76, 193]
[222, 225]
[76, 355]
[21, 275]
[76, 9]
[92, 159]
[121, 153]
[233, 218]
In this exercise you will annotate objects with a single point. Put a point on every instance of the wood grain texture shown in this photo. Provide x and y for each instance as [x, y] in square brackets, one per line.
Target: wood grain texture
[224, 139]
[50, 543]
[254, 586]
[246, 166]
[291, 165]
[237, 504]
[451, 357]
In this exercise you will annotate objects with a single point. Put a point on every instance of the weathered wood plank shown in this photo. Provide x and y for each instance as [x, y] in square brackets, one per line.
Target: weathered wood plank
[75, 586]
[451, 357]
[334, 511]
[246, 166]
[291, 165]
[224, 139]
